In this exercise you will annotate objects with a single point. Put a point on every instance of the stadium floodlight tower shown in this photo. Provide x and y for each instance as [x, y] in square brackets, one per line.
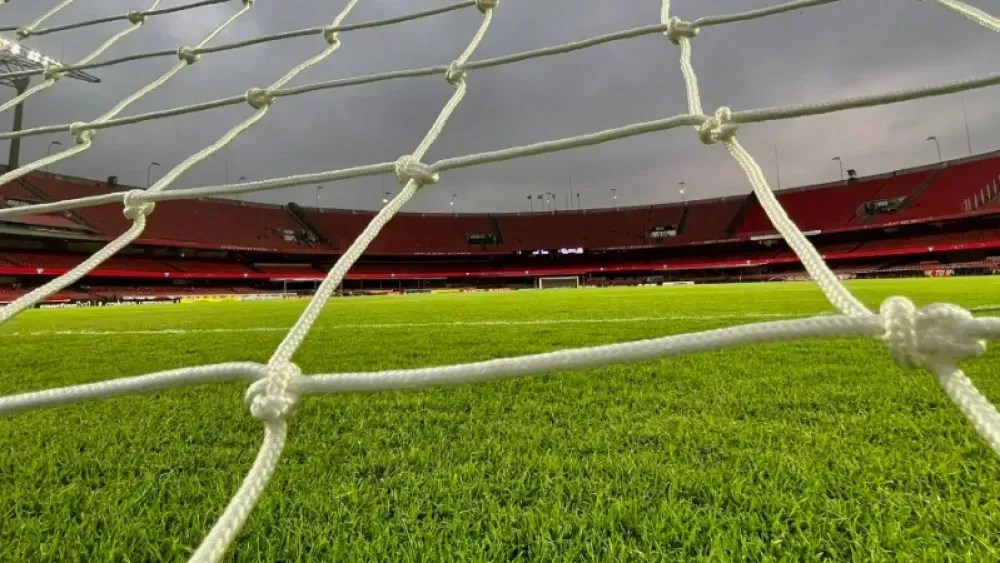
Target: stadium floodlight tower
[15, 59]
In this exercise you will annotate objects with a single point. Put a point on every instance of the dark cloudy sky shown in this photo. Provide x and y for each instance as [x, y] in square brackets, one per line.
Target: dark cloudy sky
[847, 48]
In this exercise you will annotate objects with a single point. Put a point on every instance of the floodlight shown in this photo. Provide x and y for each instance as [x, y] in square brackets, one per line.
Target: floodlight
[15, 61]
[15, 58]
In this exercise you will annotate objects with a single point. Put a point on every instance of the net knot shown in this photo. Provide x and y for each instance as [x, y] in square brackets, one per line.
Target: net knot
[136, 17]
[81, 133]
[25, 32]
[718, 127]
[487, 5]
[409, 168]
[270, 399]
[135, 206]
[259, 98]
[331, 36]
[188, 55]
[455, 73]
[678, 28]
[53, 72]
[930, 336]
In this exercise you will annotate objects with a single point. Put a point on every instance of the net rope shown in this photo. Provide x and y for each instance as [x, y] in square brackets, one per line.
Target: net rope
[934, 338]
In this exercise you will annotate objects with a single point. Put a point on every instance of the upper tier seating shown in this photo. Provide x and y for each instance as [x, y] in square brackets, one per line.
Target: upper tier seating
[933, 192]
[211, 223]
[832, 207]
[626, 228]
[430, 234]
[708, 220]
[955, 184]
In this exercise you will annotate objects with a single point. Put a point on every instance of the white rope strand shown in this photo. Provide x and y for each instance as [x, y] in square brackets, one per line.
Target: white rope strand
[830, 326]
[936, 338]
[53, 73]
[743, 117]
[298, 333]
[218, 540]
[149, 12]
[26, 30]
[84, 138]
[261, 100]
[930, 346]
[811, 259]
[139, 219]
[453, 163]
[706, 21]
[409, 73]
[818, 327]
[977, 408]
[244, 43]
[886, 98]
[135, 210]
[274, 390]
[720, 128]
[11, 309]
[975, 14]
[709, 21]
[198, 375]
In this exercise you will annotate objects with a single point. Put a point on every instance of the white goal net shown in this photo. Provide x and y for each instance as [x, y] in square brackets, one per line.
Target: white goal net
[558, 282]
[935, 338]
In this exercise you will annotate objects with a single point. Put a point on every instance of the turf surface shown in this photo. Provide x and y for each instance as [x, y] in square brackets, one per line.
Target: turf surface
[793, 451]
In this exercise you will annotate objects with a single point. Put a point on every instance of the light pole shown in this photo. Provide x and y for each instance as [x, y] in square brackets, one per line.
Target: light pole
[614, 197]
[577, 201]
[968, 136]
[938, 145]
[838, 159]
[240, 181]
[385, 198]
[452, 204]
[682, 192]
[318, 188]
[149, 172]
[777, 166]
[531, 203]
[14, 59]
[49, 149]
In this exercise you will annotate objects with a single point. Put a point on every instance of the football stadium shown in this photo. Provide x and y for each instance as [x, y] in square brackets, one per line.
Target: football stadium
[238, 325]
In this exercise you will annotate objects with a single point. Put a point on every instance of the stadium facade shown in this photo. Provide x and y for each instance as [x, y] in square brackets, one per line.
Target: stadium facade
[941, 219]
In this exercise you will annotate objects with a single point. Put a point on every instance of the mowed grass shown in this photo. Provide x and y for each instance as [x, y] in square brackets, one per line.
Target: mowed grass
[793, 451]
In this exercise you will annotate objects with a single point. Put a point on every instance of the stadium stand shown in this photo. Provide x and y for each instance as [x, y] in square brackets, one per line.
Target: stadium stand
[933, 218]
[838, 206]
[710, 221]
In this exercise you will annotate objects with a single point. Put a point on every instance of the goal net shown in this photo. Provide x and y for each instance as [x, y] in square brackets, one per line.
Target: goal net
[558, 282]
[935, 338]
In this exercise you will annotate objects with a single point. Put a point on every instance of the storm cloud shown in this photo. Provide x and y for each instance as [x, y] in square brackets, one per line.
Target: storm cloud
[848, 48]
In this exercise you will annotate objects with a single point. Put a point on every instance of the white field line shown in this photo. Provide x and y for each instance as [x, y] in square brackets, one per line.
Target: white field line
[363, 326]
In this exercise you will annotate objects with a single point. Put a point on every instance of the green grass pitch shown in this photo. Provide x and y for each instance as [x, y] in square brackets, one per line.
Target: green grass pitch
[797, 451]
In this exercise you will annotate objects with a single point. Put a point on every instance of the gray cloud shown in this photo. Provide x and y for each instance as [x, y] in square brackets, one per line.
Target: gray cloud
[844, 49]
